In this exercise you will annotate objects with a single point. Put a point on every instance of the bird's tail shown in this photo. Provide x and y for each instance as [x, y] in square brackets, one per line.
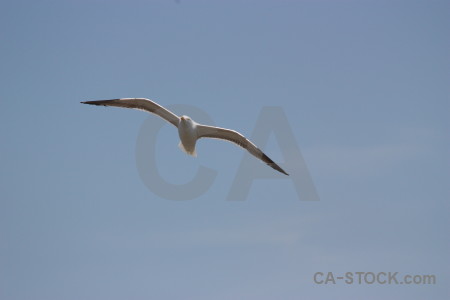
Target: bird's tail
[187, 151]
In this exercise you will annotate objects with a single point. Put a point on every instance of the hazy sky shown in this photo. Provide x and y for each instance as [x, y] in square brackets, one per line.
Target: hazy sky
[364, 87]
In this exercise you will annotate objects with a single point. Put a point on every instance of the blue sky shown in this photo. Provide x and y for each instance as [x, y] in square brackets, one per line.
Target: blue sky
[363, 85]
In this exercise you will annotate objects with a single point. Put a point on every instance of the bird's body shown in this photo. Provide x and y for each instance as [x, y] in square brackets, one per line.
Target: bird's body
[188, 130]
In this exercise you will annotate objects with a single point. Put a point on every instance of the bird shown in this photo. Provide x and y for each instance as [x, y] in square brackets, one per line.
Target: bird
[189, 131]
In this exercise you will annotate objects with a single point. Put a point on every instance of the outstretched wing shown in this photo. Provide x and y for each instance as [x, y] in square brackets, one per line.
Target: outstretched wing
[235, 137]
[141, 104]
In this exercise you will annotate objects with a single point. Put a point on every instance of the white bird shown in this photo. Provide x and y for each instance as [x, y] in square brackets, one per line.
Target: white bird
[188, 130]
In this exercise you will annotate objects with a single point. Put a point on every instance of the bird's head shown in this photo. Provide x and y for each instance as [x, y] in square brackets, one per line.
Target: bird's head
[185, 119]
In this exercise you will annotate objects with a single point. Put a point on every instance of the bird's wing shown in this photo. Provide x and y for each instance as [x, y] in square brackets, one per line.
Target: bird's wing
[141, 104]
[235, 137]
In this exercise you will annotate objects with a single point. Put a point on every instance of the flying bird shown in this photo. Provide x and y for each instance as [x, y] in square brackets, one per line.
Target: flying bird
[188, 130]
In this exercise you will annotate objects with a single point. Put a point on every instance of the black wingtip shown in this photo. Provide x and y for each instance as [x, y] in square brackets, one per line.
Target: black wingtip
[277, 167]
[98, 102]
[272, 164]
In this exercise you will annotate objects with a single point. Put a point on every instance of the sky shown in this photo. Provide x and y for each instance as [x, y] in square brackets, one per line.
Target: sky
[362, 95]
